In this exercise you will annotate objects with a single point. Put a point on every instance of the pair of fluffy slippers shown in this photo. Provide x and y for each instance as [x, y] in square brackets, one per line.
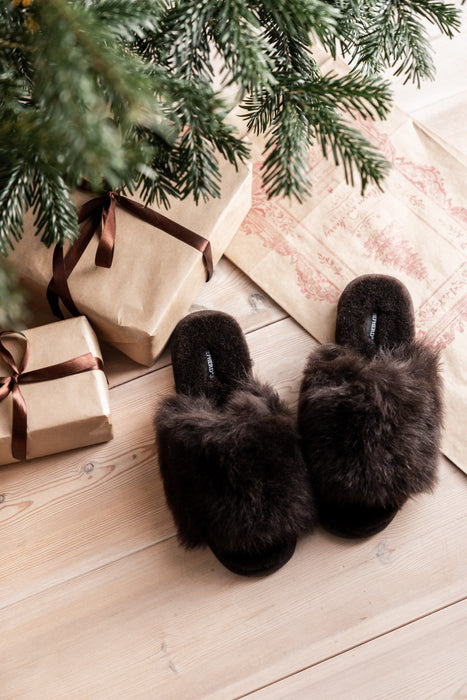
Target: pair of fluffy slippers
[238, 475]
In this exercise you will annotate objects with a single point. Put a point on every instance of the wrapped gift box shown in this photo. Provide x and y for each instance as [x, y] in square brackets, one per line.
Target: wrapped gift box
[64, 411]
[135, 304]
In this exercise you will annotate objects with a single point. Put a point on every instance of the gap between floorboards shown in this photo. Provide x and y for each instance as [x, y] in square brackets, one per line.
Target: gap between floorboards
[351, 648]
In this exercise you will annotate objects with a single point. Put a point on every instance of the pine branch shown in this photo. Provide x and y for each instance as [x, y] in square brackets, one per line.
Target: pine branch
[98, 93]
[129, 20]
[445, 16]
[297, 18]
[395, 38]
[192, 27]
[205, 132]
[351, 150]
[157, 181]
[54, 209]
[15, 197]
[291, 117]
[305, 113]
[392, 33]
[240, 43]
[286, 166]
[354, 93]
[183, 42]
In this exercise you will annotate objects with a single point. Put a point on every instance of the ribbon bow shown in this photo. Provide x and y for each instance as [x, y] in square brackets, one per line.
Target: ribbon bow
[98, 215]
[11, 385]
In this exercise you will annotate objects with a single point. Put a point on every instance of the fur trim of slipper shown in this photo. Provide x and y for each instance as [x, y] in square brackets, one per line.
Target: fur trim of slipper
[223, 469]
[371, 428]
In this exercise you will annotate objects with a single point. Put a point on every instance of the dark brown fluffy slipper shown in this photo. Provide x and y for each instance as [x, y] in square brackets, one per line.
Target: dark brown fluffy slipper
[230, 459]
[370, 410]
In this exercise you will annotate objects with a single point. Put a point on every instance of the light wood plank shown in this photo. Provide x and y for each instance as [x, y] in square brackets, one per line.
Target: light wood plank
[166, 623]
[427, 659]
[231, 291]
[65, 514]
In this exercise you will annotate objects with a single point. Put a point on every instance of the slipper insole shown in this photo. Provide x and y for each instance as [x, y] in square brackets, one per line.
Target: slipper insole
[374, 311]
[209, 355]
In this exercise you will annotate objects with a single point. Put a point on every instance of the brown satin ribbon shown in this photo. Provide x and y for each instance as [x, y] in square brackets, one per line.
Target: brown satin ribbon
[11, 384]
[98, 215]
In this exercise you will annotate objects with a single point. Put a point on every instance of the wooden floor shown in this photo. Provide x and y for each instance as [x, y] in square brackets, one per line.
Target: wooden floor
[98, 600]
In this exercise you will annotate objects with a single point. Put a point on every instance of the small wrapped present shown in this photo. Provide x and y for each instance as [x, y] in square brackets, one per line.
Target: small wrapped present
[133, 271]
[53, 391]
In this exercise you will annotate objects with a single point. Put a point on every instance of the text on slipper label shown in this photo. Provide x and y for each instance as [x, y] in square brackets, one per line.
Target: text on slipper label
[210, 364]
[373, 321]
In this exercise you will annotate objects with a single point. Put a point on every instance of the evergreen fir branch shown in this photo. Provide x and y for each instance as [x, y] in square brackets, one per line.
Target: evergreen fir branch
[293, 134]
[191, 28]
[350, 149]
[305, 111]
[370, 97]
[289, 52]
[14, 44]
[55, 212]
[183, 42]
[90, 41]
[286, 166]
[128, 20]
[445, 16]
[296, 18]
[24, 186]
[350, 24]
[157, 181]
[191, 106]
[204, 132]
[412, 55]
[64, 114]
[291, 116]
[397, 39]
[244, 49]
[15, 198]
[260, 108]
[292, 62]
[197, 166]
[390, 33]
[354, 93]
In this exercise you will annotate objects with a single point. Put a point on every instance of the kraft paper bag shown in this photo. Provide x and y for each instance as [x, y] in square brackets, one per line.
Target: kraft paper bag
[135, 304]
[62, 413]
[416, 230]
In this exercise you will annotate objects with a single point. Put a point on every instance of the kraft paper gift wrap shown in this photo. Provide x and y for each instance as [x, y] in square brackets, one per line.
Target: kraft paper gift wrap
[415, 229]
[64, 413]
[135, 304]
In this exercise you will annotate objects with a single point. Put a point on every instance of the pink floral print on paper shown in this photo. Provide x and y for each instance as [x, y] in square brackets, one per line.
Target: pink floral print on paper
[272, 224]
[312, 283]
[391, 251]
[426, 178]
[438, 304]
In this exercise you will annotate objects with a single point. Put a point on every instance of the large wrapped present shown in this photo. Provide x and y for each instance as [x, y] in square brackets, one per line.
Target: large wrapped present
[53, 391]
[134, 271]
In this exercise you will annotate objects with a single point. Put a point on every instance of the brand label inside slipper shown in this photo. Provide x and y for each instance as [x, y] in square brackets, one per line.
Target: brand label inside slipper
[209, 364]
[371, 326]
